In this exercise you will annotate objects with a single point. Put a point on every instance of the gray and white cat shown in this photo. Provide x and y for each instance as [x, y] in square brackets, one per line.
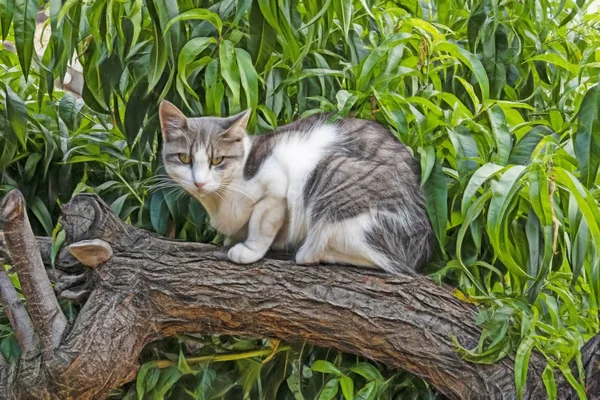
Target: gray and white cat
[345, 192]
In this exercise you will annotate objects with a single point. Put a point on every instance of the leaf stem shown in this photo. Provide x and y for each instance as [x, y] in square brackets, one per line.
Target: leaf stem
[225, 357]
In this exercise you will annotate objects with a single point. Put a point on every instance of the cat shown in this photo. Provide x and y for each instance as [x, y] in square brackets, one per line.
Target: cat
[344, 192]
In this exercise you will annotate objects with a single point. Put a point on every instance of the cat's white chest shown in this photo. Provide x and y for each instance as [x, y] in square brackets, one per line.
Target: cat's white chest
[231, 215]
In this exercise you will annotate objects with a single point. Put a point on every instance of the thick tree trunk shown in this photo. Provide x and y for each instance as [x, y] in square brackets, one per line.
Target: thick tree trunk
[152, 288]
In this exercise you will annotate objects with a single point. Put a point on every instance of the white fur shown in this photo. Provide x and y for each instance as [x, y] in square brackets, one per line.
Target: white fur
[267, 211]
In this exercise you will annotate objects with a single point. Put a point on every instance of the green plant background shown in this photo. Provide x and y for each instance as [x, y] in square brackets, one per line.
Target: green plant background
[497, 99]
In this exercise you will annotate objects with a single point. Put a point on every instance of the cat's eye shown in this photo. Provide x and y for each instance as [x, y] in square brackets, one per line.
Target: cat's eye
[185, 158]
[216, 161]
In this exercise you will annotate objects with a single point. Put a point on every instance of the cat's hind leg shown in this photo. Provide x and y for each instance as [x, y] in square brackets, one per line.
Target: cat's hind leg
[313, 246]
[341, 242]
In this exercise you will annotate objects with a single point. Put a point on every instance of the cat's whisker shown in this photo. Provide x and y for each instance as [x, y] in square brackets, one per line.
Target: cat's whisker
[178, 192]
[234, 189]
[219, 195]
[158, 179]
[156, 188]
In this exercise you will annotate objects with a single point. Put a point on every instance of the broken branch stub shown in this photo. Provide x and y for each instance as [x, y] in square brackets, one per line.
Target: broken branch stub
[47, 317]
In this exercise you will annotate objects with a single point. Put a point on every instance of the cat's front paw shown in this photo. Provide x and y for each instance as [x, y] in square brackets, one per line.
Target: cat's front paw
[242, 254]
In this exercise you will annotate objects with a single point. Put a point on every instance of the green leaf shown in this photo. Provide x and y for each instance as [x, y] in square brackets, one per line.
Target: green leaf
[347, 386]
[469, 222]
[17, 115]
[7, 8]
[501, 133]
[436, 196]
[480, 176]
[151, 378]
[329, 390]
[64, 10]
[472, 62]
[197, 13]
[368, 67]
[469, 88]
[521, 152]
[168, 377]
[159, 213]
[24, 27]
[566, 371]
[188, 53]
[466, 150]
[10, 348]
[325, 367]
[579, 248]
[43, 215]
[585, 201]
[427, 162]
[557, 60]
[495, 56]
[229, 70]
[522, 364]
[182, 364]
[249, 77]
[367, 8]
[68, 109]
[263, 39]
[587, 137]
[503, 195]
[368, 371]
[197, 213]
[117, 205]
[214, 89]
[135, 16]
[136, 110]
[368, 392]
[30, 166]
[158, 59]
[539, 193]
[294, 383]
[250, 373]
[343, 9]
[57, 243]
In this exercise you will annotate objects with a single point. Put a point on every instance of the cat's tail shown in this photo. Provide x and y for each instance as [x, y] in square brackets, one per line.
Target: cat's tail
[404, 242]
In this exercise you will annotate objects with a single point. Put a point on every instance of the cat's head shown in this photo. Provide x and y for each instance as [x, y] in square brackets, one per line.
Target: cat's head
[202, 154]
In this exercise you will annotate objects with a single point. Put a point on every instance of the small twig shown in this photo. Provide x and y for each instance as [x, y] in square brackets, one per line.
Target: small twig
[274, 343]
[17, 314]
[46, 315]
[224, 357]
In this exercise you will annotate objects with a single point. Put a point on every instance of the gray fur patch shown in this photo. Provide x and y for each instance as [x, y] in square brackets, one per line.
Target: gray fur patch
[370, 171]
[261, 148]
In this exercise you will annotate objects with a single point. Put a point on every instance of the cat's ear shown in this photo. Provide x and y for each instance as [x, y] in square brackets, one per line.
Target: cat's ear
[171, 118]
[237, 125]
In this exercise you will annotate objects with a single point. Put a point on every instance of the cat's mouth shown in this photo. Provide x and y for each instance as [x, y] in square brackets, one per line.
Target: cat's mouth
[199, 193]
[204, 192]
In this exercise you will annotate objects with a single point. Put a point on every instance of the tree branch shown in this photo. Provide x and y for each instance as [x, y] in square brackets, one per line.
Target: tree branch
[17, 315]
[48, 319]
[153, 288]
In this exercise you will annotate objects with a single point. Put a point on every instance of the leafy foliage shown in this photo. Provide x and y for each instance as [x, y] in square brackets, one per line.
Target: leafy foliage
[498, 100]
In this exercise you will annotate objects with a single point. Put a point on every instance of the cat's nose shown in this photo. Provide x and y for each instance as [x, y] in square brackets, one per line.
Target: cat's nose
[199, 185]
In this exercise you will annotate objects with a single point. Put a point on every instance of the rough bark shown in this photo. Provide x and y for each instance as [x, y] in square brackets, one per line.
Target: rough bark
[152, 288]
[47, 317]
